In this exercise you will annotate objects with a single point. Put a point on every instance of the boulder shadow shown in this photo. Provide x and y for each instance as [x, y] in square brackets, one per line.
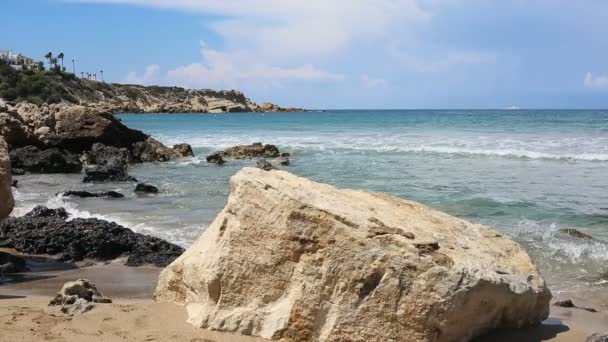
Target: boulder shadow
[542, 332]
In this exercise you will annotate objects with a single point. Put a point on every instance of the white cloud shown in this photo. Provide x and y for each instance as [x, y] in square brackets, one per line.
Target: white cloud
[443, 61]
[596, 82]
[372, 82]
[150, 76]
[235, 69]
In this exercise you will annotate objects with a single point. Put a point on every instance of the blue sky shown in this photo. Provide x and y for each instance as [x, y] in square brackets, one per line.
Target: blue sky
[335, 54]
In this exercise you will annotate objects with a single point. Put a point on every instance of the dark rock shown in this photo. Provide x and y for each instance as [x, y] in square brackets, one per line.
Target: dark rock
[40, 211]
[46, 231]
[151, 150]
[101, 154]
[251, 151]
[184, 150]
[147, 188]
[565, 304]
[53, 160]
[265, 165]
[569, 304]
[17, 171]
[107, 173]
[107, 164]
[576, 233]
[285, 155]
[86, 194]
[14, 183]
[77, 128]
[11, 263]
[215, 158]
[284, 161]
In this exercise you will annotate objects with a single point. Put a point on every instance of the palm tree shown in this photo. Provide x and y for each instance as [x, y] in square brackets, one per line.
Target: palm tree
[49, 56]
[95, 77]
[82, 74]
[60, 56]
[54, 62]
[88, 75]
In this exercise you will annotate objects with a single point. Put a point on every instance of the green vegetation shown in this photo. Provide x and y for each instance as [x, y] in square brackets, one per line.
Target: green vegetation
[37, 87]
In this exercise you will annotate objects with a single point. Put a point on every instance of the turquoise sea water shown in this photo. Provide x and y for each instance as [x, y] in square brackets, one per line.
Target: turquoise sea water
[528, 173]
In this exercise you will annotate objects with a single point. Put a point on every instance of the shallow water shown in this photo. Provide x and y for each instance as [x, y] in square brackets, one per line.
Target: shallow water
[527, 173]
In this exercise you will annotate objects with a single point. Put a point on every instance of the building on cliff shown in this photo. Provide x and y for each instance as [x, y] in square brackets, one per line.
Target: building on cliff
[18, 61]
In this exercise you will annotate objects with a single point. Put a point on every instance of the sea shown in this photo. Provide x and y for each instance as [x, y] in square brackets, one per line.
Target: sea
[527, 173]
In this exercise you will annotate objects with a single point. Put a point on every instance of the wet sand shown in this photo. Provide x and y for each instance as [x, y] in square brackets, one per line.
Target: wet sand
[134, 316]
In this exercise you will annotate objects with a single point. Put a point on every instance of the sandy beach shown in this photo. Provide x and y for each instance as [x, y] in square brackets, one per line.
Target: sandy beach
[134, 316]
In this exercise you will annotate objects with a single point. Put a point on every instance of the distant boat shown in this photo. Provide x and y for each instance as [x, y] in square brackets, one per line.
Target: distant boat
[512, 108]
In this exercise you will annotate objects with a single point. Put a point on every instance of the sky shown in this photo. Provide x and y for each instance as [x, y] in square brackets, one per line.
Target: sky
[347, 54]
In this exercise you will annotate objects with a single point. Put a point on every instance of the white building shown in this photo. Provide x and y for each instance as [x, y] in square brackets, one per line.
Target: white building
[18, 61]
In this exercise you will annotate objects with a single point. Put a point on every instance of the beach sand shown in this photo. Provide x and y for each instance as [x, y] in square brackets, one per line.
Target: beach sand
[134, 316]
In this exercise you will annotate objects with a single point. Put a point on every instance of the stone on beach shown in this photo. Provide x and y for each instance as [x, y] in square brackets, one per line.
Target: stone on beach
[11, 263]
[184, 150]
[264, 165]
[47, 231]
[76, 297]
[292, 259]
[6, 192]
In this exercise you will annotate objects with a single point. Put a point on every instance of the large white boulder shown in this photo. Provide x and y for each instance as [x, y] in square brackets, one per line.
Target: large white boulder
[6, 195]
[292, 259]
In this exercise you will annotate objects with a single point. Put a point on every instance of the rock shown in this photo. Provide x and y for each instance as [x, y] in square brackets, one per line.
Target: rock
[101, 154]
[107, 164]
[291, 259]
[215, 158]
[6, 193]
[151, 150]
[107, 173]
[79, 306]
[598, 337]
[251, 151]
[47, 231]
[15, 132]
[569, 304]
[576, 233]
[285, 155]
[11, 263]
[86, 194]
[53, 160]
[184, 150]
[14, 183]
[76, 297]
[77, 128]
[264, 165]
[42, 131]
[17, 171]
[44, 212]
[146, 188]
[284, 161]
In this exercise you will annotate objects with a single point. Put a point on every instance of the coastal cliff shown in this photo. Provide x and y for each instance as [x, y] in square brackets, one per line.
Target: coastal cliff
[6, 195]
[45, 88]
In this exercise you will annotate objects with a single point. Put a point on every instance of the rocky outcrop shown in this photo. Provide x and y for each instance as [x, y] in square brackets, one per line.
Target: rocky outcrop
[78, 296]
[53, 160]
[271, 107]
[15, 132]
[265, 165]
[47, 231]
[107, 164]
[291, 259]
[152, 150]
[251, 151]
[6, 192]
